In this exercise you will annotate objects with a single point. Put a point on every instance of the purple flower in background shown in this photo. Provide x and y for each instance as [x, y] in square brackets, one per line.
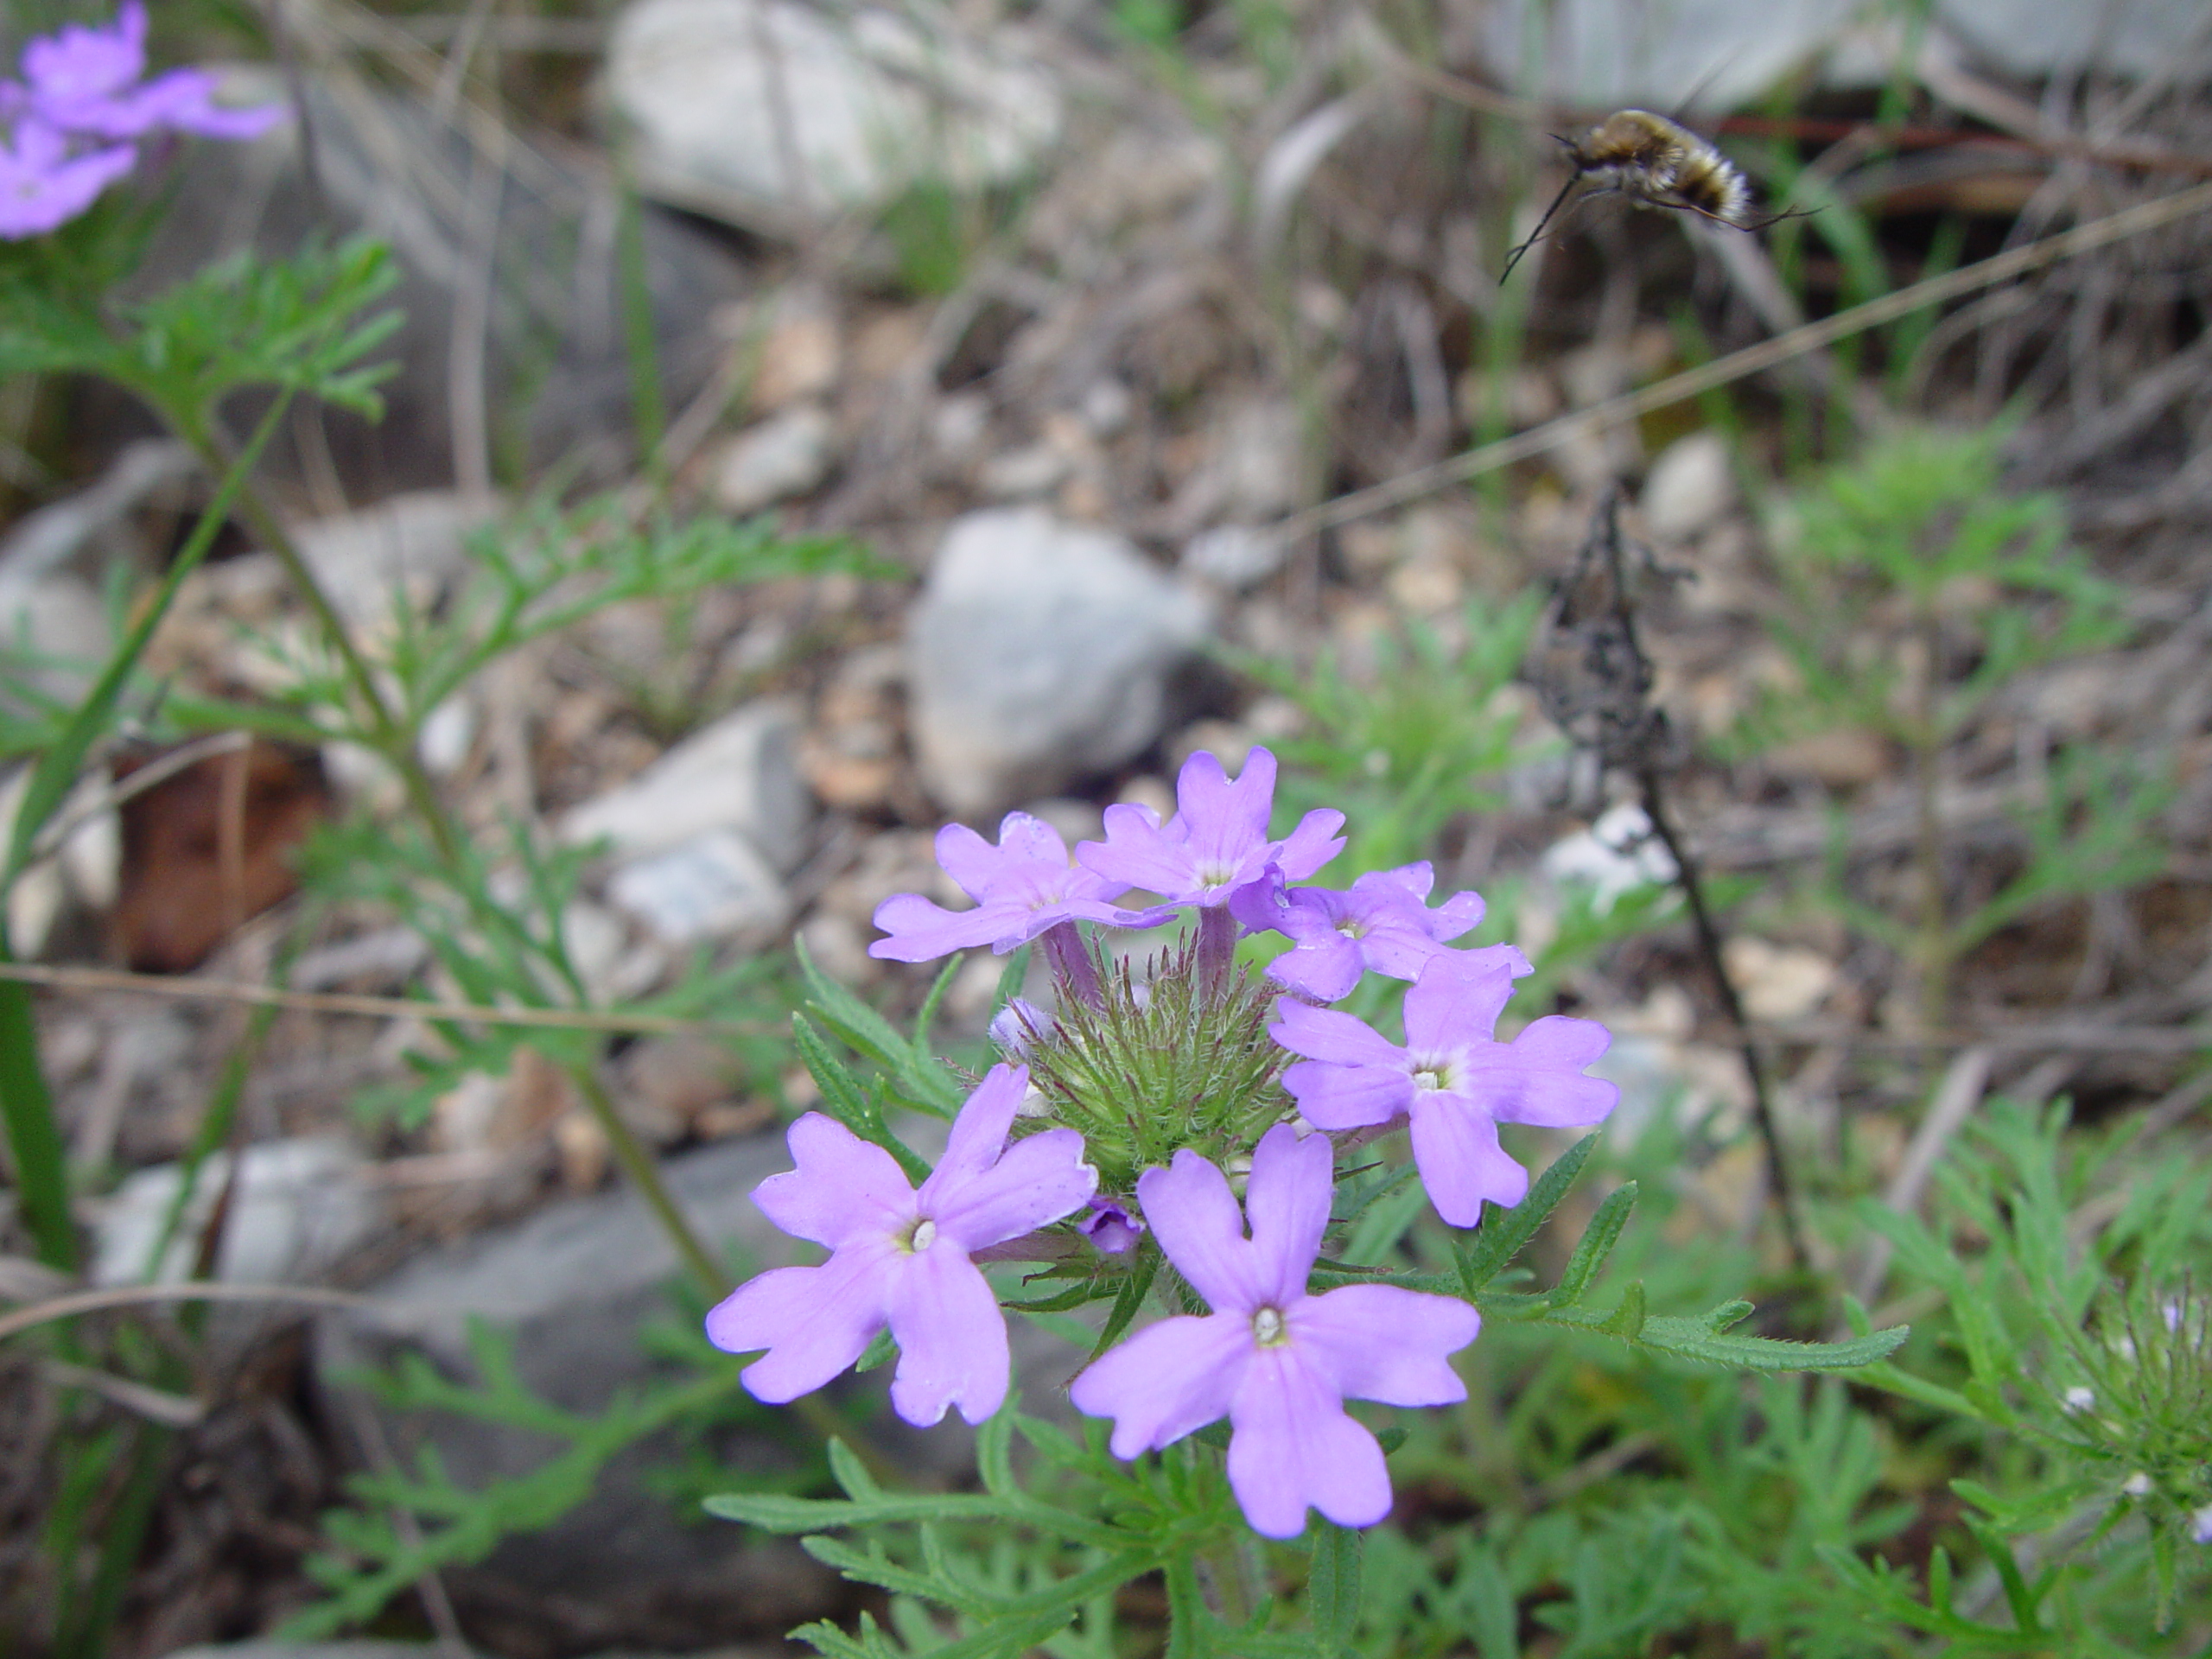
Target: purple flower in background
[87, 80]
[901, 1258]
[1382, 922]
[1022, 886]
[1455, 1081]
[42, 185]
[2200, 1529]
[80, 92]
[1218, 840]
[1278, 1362]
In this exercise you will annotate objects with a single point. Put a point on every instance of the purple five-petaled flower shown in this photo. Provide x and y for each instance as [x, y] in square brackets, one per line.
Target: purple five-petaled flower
[1277, 1361]
[87, 80]
[1383, 922]
[1455, 1082]
[1022, 888]
[900, 1258]
[42, 185]
[69, 121]
[1218, 840]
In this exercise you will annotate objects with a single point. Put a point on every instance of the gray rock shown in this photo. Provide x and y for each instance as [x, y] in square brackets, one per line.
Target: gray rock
[740, 774]
[714, 885]
[300, 1206]
[572, 1284]
[1689, 486]
[1040, 652]
[410, 545]
[1235, 557]
[778, 116]
[785, 455]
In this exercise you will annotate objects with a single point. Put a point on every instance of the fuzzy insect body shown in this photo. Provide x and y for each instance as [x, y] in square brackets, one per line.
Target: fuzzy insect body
[1660, 162]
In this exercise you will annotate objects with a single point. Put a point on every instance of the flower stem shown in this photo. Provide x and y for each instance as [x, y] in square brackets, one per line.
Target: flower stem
[1074, 973]
[1217, 951]
[638, 1164]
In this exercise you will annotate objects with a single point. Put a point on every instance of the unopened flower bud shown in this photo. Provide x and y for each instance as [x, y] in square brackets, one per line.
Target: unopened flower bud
[1112, 1228]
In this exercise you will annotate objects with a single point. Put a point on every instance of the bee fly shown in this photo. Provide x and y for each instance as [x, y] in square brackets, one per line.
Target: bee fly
[1650, 159]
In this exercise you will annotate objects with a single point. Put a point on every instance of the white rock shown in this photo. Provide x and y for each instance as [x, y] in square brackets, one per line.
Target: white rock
[1236, 556]
[1777, 982]
[1617, 854]
[1688, 487]
[785, 455]
[739, 774]
[299, 1207]
[413, 543]
[714, 885]
[448, 732]
[1034, 470]
[777, 116]
[60, 625]
[1040, 652]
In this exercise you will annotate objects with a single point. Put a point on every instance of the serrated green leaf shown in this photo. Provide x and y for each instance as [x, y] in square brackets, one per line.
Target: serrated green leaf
[1627, 1319]
[851, 1473]
[881, 1348]
[1697, 1339]
[1503, 1232]
[1333, 1592]
[1597, 1243]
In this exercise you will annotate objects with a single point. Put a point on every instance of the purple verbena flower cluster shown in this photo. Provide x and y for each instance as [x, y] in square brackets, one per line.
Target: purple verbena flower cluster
[1276, 1359]
[69, 128]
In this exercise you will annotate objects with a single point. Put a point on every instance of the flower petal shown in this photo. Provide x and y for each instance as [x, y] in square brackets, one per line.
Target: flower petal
[813, 1321]
[1292, 1446]
[1194, 1215]
[1314, 843]
[1455, 1147]
[1288, 1201]
[952, 1344]
[1037, 1181]
[843, 1186]
[1339, 1039]
[1348, 1096]
[1165, 1380]
[971, 862]
[1137, 852]
[921, 930]
[1537, 1079]
[1379, 1342]
[978, 1133]
[1459, 997]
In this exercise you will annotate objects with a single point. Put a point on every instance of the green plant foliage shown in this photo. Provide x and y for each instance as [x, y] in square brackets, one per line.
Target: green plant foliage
[373, 1556]
[1427, 739]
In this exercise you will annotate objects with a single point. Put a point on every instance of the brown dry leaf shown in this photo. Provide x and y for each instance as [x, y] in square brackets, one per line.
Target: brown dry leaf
[210, 847]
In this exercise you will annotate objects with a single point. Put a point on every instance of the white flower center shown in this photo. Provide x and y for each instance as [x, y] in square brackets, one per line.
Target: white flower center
[1268, 1328]
[1352, 928]
[1212, 876]
[1435, 1073]
[923, 1236]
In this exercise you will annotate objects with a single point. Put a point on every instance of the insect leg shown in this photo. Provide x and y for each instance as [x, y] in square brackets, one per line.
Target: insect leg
[1513, 258]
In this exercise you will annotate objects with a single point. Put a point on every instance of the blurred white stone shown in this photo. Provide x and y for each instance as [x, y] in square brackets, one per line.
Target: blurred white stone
[1018, 474]
[298, 1207]
[1617, 854]
[60, 626]
[1040, 652]
[739, 774]
[778, 116]
[1236, 556]
[448, 732]
[1777, 982]
[1689, 486]
[714, 885]
[785, 455]
[414, 544]
[1600, 55]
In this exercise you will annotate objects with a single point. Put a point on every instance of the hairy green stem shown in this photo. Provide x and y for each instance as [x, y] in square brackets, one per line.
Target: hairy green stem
[638, 1164]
